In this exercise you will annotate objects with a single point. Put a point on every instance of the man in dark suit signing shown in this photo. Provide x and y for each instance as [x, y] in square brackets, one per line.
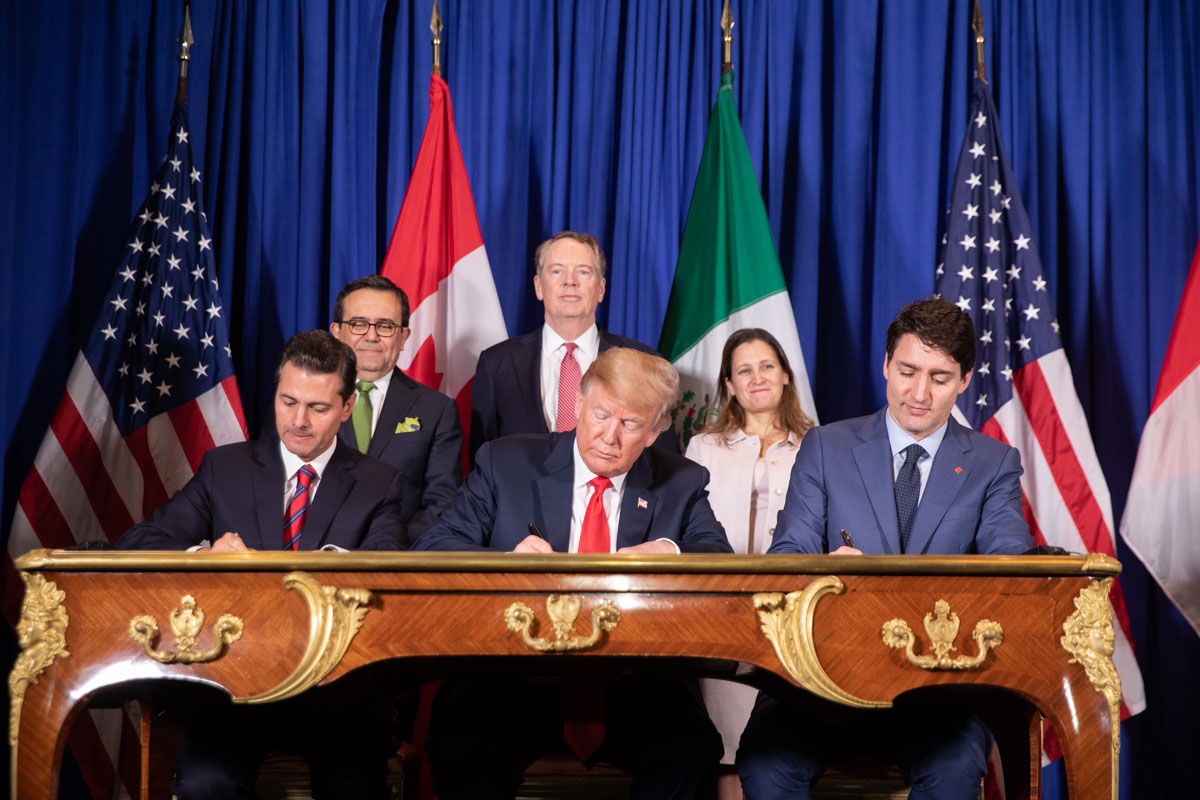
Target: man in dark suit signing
[304, 491]
[906, 479]
[397, 420]
[529, 383]
[600, 488]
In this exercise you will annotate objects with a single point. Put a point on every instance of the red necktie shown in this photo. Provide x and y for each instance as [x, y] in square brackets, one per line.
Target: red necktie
[297, 509]
[583, 703]
[568, 390]
[594, 536]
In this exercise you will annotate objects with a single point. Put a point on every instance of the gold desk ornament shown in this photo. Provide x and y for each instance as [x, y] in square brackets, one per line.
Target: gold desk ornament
[185, 627]
[335, 616]
[42, 634]
[787, 623]
[1089, 638]
[563, 610]
[942, 627]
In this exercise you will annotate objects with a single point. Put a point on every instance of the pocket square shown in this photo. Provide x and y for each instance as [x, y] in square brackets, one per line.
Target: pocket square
[410, 425]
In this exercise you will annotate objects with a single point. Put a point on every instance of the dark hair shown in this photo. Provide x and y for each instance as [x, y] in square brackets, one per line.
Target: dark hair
[319, 352]
[937, 323]
[539, 255]
[731, 417]
[376, 283]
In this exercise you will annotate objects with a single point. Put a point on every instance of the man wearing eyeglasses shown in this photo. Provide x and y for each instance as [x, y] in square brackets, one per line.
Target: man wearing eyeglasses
[397, 420]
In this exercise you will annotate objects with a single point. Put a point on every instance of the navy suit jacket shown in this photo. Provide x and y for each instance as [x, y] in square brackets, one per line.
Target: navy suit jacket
[842, 479]
[430, 459]
[239, 488]
[523, 479]
[506, 395]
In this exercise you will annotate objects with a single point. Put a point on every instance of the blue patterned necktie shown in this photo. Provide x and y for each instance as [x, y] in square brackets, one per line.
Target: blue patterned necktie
[908, 492]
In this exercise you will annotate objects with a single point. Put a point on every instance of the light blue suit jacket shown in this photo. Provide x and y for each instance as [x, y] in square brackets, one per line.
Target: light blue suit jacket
[843, 480]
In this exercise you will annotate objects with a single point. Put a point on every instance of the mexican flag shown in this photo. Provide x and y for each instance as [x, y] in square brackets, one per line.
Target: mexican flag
[728, 276]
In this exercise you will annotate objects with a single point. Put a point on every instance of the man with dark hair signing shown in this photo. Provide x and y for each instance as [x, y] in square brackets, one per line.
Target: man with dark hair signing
[304, 491]
[401, 422]
[906, 479]
[600, 488]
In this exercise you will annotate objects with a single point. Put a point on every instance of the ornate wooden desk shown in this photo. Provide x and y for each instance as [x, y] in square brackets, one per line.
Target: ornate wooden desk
[1033, 631]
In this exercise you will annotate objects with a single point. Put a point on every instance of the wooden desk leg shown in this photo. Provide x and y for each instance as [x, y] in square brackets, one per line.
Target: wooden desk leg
[42, 737]
[160, 744]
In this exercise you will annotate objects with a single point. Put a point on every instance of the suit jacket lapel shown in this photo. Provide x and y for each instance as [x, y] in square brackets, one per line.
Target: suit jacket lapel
[637, 504]
[266, 482]
[949, 472]
[555, 493]
[873, 457]
[334, 485]
[527, 365]
[396, 405]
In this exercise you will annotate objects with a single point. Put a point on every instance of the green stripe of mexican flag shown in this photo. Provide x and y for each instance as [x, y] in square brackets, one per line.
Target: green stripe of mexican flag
[728, 276]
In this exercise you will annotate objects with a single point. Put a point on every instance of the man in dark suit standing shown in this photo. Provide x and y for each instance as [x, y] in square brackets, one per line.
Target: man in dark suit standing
[397, 420]
[529, 383]
[303, 492]
[600, 488]
[906, 479]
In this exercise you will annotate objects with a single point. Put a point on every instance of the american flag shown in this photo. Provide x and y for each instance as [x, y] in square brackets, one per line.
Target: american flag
[1022, 392]
[149, 393]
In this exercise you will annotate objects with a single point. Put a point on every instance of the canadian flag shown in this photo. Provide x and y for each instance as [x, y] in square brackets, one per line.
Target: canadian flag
[1164, 496]
[437, 257]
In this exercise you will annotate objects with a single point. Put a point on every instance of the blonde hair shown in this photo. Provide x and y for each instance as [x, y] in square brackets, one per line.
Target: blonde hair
[637, 380]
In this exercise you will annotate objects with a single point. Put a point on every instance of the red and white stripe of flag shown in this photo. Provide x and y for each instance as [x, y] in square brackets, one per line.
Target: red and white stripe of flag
[90, 483]
[1064, 490]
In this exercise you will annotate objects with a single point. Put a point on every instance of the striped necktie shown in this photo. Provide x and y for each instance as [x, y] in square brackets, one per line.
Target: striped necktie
[297, 510]
[568, 389]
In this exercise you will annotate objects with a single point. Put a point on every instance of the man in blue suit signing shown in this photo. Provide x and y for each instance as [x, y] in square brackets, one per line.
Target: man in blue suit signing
[600, 488]
[906, 479]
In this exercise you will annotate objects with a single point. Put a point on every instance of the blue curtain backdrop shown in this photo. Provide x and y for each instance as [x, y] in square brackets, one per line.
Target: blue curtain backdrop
[306, 118]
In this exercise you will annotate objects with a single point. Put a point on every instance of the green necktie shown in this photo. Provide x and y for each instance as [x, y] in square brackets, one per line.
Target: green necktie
[361, 416]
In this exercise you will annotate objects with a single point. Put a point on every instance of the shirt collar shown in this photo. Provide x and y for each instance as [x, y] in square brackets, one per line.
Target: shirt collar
[583, 474]
[898, 438]
[588, 341]
[382, 384]
[293, 462]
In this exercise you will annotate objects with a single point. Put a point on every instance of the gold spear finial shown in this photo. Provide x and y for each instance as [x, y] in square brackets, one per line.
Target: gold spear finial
[977, 24]
[185, 44]
[435, 25]
[727, 38]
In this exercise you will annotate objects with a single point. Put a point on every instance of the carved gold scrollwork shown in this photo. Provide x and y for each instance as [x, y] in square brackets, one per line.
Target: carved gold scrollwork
[185, 627]
[1089, 638]
[335, 616]
[942, 627]
[787, 623]
[563, 610]
[42, 634]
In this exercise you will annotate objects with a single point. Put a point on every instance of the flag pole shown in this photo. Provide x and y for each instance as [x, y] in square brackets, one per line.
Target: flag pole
[435, 25]
[727, 38]
[977, 24]
[185, 44]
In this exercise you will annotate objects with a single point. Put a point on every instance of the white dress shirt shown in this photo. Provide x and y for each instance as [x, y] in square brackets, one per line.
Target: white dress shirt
[291, 465]
[553, 350]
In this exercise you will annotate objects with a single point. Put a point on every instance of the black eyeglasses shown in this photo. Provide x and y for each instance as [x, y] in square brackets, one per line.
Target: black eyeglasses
[385, 327]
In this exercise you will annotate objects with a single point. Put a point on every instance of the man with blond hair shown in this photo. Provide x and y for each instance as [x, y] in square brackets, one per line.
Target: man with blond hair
[600, 488]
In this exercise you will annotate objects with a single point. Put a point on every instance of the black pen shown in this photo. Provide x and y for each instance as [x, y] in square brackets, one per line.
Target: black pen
[845, 538]
[537, 532]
